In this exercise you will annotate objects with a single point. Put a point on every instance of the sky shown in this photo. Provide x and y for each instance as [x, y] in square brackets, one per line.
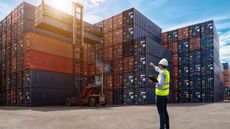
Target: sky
[168, 14]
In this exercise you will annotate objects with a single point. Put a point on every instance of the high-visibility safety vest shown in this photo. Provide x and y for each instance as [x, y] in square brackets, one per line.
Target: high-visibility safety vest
[163, 90]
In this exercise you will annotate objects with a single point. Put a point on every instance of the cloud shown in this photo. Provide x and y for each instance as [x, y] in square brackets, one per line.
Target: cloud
[217, 19]
[224, 38]
[5, 9]
[225, 46]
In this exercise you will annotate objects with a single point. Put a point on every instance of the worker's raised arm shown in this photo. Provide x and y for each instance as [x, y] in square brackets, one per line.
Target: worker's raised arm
[157, 69]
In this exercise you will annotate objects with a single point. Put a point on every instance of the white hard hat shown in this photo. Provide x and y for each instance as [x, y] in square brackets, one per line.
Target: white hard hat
[163, 62]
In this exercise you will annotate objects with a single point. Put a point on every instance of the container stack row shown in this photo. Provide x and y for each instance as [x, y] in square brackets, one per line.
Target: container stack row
[226, 78]
[130, 42]
[35, 68]
[196, 63]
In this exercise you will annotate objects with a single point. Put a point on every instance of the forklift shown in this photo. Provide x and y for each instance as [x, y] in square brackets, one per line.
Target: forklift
[92, 94]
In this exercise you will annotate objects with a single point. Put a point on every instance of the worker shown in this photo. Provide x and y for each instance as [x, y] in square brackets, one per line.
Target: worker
[162, 91]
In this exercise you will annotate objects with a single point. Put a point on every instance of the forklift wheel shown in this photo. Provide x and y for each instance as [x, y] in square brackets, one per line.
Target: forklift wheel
[69, 102]
[92, 101]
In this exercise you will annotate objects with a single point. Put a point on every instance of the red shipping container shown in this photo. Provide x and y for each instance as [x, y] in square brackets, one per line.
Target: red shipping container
[47, 62]
[92, 69]
[117, 21]
[13, 64]
[197, 43]
[78, 69]
[118, 80]
[173, 47]
[107, 25]
[183, 33]
[164, 37]
[118, 35]
[109, 97]
[118, 50]
[108, 53]
[91, 55]
[14, 16]
[194, 43]
[129, 64]
[175, 71]
[108, 81]
[108, 39]
[175, 59]
[166, 45]
[170, 48]
[118, 65]
[13, 97]
[175, 84]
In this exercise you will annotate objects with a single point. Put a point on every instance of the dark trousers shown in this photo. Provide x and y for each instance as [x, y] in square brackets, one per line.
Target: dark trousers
[161, 102]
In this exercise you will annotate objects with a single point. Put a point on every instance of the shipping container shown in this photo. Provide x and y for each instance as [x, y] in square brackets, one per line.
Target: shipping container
[107, 25]
[118, 50]
[118, 96]
[118, 65]
[208, 28]
[194, 30]
[194, 43]
[108, 53]
[45, 44]
[117, 35]
[108, 39]
[129, 64]
[164, 37]
[132, 16]
[183, 45]
[129, 48]
[118, 21]
[109, 97]
[108, 81]
[32, 59]
[129, 96]
[183, 33]
[172, 36]
[118, 80]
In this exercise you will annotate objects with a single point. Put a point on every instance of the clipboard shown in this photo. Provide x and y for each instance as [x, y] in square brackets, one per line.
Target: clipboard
[153, 78]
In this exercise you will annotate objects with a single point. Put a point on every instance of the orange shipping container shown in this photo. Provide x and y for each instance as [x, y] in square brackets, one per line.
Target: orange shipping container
[117, 21]
[48, 45]
[183, 33]
[109, 96]
[108, 53]
[108, 39]
[107, 25]
[164, 37]
[13, 64]
[117, 36]
[194, 43]
[108, 81]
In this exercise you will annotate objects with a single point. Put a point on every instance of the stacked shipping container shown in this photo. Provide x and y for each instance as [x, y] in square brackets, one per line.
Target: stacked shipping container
[226, 78]
[36, 65]
[130, 43]
[196, 64]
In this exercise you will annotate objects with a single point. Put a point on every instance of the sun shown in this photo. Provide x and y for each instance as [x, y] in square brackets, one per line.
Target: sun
[63, 5]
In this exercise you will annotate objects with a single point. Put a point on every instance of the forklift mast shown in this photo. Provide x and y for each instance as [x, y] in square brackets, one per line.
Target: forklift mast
[78, 40]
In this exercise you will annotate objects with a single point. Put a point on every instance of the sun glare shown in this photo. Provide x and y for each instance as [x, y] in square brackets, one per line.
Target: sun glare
[63, 5]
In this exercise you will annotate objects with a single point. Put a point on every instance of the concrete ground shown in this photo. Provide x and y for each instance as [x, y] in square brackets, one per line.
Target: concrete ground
[182, 116]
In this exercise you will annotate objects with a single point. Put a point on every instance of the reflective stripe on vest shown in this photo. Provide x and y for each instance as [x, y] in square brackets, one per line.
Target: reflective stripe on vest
[163, 90]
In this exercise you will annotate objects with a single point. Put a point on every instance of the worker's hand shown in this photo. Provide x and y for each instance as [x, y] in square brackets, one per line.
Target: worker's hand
[151, 64]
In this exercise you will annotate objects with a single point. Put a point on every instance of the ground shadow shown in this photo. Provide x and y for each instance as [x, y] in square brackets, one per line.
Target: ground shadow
[108, 107]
